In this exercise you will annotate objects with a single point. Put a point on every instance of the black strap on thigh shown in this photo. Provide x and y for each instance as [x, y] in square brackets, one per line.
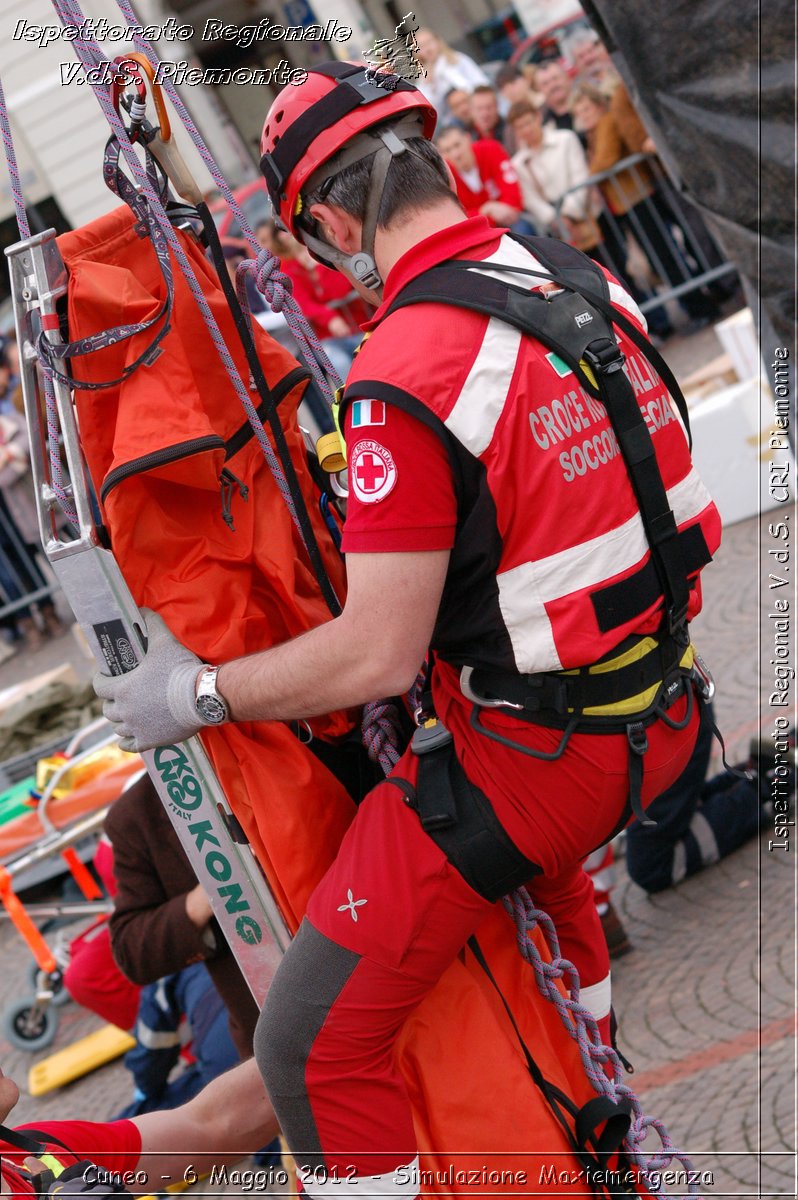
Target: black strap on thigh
[460, 819]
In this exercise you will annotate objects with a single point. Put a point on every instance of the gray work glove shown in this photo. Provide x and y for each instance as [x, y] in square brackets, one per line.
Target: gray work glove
[155, 703]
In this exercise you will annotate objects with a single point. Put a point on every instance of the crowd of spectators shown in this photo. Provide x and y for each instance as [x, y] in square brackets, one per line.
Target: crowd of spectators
[522, 149]
[24, 626]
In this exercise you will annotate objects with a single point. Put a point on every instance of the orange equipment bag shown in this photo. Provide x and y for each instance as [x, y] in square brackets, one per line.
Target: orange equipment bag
[156, 447]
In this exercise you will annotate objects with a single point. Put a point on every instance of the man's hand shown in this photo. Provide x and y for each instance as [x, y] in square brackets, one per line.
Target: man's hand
[198, 907]
[337, 327]
[499, 212]
[155, 703]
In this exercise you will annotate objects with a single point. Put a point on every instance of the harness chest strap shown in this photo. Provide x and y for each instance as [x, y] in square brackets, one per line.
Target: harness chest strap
[577, 324]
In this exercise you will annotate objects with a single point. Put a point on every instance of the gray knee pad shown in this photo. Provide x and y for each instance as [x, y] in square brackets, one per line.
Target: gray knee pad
[309, 980]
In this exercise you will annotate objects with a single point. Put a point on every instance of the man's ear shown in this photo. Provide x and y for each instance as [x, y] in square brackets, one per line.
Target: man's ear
[340, 228]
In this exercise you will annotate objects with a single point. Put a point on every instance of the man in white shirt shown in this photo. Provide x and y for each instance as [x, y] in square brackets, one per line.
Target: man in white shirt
[549, 163]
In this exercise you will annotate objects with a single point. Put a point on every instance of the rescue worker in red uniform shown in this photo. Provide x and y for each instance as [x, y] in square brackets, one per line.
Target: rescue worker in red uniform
[137, 1156]
[491, 518]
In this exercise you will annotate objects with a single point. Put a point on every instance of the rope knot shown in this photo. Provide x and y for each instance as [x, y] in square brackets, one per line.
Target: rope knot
[381, 730]
[270, 279]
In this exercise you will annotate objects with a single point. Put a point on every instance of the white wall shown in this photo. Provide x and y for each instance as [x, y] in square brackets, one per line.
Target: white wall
[59, 129]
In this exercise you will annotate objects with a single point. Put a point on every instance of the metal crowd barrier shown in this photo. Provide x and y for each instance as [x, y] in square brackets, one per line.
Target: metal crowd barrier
[669, 231]
[24, 578]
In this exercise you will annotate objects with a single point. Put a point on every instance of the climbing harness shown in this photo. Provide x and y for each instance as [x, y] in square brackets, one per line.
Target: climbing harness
[458, 816]
[641, 679]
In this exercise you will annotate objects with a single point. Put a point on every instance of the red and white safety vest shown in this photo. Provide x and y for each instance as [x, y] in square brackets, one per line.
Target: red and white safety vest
[551, 568]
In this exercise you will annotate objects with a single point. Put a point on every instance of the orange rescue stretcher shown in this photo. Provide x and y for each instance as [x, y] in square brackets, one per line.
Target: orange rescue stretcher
[77, 788]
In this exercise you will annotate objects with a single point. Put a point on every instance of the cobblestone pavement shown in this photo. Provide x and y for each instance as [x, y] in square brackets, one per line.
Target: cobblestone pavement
[706, 1000]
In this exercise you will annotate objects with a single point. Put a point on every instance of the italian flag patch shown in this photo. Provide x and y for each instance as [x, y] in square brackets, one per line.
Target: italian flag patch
[367, 412]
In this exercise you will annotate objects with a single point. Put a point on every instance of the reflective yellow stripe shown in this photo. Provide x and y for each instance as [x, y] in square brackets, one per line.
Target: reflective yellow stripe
[642, 700]
[52, 1164]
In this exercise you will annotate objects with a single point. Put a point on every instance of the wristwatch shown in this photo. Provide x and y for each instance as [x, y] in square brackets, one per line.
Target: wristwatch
[211, 706]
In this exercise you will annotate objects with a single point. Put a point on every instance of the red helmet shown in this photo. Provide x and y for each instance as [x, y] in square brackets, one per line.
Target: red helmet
[309, 122]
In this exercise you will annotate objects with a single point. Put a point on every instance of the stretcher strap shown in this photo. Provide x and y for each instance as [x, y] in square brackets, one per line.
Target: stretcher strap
[616, 1114]
[24, 926]
[236, 300]
[81, 874]
[48, 353]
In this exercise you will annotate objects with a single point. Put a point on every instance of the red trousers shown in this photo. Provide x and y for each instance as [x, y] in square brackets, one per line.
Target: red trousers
[392, 913]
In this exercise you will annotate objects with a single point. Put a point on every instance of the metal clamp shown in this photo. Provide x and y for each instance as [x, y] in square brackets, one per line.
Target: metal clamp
[475, 698]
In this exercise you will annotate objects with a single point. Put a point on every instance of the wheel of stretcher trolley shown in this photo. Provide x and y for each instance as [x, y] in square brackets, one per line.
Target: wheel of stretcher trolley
[29, 1026]
[55, 983]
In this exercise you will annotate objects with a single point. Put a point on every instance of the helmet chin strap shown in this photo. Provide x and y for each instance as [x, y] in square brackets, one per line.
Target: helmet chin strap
[362, 265]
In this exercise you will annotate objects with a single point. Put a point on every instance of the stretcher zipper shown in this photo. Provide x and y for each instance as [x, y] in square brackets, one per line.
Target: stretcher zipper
[159, 458]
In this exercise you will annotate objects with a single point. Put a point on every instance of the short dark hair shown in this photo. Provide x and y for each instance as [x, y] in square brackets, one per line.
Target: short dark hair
[484, 89]
[409, 184]
[508, 74]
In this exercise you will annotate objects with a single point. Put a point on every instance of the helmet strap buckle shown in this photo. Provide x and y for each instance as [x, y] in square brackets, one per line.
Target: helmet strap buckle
[364, 269]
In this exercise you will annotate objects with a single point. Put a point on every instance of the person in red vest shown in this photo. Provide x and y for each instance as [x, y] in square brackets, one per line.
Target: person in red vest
[143, 1155]
[486, 180]
[493, 522]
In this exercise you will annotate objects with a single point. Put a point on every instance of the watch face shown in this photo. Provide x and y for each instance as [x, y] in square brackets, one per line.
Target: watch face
[211, 710]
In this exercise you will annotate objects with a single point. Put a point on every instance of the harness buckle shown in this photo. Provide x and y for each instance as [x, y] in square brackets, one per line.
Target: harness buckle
[429, 737]
[604, 356]
[637, 737]
[676, 619]
[364, 269]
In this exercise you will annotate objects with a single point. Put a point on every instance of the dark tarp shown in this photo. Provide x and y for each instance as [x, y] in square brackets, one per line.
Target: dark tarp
[714, 83]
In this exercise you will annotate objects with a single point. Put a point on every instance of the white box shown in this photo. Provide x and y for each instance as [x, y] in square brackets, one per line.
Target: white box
[731, 451]
[737, 336]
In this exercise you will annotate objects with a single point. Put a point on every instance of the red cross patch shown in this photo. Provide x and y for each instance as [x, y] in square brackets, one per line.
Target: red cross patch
[372, 472]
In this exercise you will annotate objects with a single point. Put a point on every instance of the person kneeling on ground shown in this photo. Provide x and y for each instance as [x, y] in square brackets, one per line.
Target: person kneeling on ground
[148, 1153]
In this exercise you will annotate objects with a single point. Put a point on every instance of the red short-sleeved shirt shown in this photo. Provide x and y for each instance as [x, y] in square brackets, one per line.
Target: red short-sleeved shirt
[401, 491]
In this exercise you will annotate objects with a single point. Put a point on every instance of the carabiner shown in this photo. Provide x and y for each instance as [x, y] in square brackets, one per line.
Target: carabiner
[145, 67]
[138, 104]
